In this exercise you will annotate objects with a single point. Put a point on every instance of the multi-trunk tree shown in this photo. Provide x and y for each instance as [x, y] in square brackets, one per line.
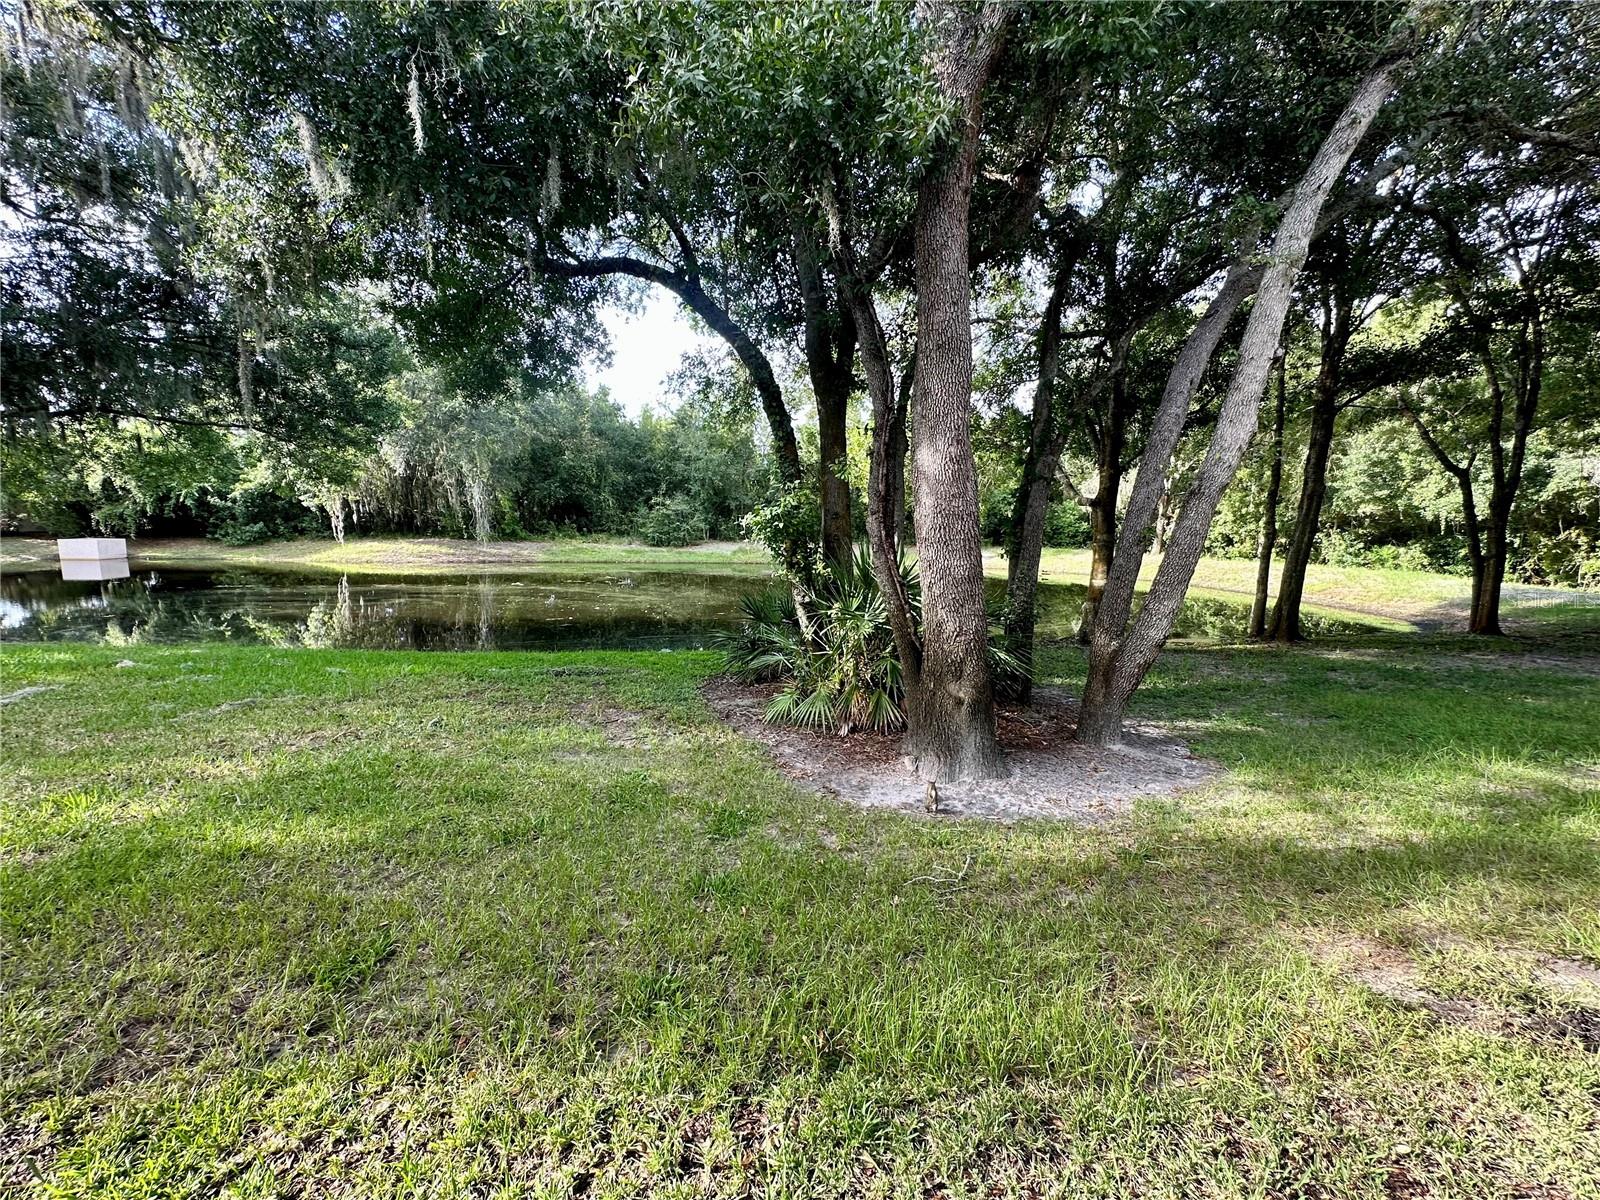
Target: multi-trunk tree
[1126, 246]
[1123, 647]
[793, 182]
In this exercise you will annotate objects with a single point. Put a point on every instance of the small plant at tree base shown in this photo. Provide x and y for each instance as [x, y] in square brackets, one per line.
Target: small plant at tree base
[845, 675]
[789, 527]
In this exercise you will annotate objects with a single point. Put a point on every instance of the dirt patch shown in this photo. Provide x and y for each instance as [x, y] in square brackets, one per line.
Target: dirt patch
[1395, 976]
[24, 693]
[1392, 974]
[1049, 776]
[1512, 660]
[622, 726]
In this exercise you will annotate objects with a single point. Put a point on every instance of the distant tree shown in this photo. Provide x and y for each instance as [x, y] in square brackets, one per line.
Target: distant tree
[1516, 239]
[1355, 268]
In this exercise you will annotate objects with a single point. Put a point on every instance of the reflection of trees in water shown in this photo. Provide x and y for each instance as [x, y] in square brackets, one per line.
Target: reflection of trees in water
[123, 612]
[331, 626]
[461, 619]
[539, 610]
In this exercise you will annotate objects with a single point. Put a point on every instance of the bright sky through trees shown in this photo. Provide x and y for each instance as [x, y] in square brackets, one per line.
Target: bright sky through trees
[647, 346]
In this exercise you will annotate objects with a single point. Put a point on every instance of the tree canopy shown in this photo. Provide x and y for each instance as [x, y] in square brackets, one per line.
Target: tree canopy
[359, 253]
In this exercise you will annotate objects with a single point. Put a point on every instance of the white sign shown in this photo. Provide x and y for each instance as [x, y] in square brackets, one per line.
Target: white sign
[91, 548]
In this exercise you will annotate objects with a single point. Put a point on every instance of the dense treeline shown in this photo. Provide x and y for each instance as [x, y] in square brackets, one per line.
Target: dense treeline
[553, 462]
[1301, 281]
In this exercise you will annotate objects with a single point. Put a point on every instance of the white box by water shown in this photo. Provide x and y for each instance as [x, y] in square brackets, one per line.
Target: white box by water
[80, 548]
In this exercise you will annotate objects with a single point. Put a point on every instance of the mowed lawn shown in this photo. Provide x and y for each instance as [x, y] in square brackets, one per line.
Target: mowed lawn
[384, 924]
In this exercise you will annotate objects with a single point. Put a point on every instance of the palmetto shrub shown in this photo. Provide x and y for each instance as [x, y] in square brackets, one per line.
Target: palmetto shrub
[839, 666]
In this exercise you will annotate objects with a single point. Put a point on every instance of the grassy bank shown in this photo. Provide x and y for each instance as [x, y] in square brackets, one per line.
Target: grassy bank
[534, 925]
[1415, 600]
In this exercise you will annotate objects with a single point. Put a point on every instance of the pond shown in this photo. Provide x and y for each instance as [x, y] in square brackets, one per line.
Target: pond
[552, 608]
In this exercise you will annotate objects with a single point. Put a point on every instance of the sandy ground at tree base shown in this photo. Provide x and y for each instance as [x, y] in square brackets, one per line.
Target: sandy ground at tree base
[1049, 776]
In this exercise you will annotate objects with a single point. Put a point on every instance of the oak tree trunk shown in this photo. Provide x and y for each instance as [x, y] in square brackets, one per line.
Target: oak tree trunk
[1103, 504]
[832, 468]
[950, 730]
[1314, 479]
[830, 346]
[1120, 655]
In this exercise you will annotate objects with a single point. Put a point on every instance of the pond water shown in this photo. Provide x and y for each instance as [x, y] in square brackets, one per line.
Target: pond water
[556, 608]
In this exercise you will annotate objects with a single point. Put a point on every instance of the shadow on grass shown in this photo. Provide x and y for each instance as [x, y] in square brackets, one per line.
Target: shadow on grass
[623, 934]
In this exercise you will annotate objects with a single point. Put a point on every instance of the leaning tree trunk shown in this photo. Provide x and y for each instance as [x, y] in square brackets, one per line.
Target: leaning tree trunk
[1313, 480]
[687, 286]
[1120, 656]
[1268, 540]
[950, 730]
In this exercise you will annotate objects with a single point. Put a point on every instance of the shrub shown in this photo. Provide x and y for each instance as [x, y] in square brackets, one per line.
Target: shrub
[789, 526]
[260, 511]
[1066, 525]
[671, 521]
[842, 672]
[1571, 557]
[244, 535]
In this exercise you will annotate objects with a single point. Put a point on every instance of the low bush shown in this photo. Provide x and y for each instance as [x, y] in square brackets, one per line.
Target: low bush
[671, 521]
[840, 664]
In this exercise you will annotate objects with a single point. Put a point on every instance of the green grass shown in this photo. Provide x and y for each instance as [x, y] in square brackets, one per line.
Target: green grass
[1398, 600]
[379, 924]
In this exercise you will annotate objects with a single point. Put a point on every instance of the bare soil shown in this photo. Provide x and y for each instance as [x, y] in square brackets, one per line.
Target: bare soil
[1570, 1016]
[1049, 776]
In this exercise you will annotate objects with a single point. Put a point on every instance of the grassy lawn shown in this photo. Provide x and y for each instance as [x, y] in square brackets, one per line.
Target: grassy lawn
[1402, 600]
[378, 924]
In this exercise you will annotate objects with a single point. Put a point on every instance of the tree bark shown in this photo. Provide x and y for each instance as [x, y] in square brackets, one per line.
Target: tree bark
[950, 730]
[1041, 461]
[1120, 656]
[1268, 541]
[833, 407]
[1103, 504]
[885, 499]
[830, 347]
[1285, 626]
[895, 457]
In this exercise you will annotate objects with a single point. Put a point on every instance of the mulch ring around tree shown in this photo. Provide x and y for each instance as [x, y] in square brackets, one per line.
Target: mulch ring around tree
[1049, 776]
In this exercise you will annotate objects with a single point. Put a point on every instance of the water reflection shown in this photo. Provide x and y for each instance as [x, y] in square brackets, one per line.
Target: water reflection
[558, 608]
[552, 609]
[94, 568]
